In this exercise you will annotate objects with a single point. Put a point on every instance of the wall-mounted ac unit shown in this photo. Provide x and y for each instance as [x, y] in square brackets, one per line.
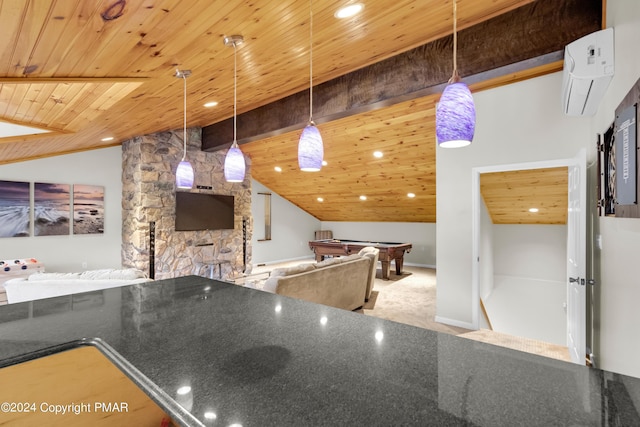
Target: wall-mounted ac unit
[588, 69]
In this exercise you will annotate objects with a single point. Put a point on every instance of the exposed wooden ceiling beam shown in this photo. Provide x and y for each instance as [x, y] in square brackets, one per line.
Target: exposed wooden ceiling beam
[511, 42]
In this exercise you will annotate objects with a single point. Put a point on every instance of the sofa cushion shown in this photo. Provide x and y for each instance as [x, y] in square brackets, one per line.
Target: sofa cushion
[115, 274]
[272, 282]
[337, 260]
[351, 257]
[103, 274]
[368, 250]
[288, 271]
[328, 261]
[36, 277]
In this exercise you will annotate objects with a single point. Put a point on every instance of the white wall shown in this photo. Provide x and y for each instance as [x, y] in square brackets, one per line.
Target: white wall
[68, 253]
[620, 295]
[529, 308]
[522, 122]
[422, 237]
[518, 123]
[485, 265]
[291, 229]
[533, 251]
[522, 276]
[530, 281]
[620, 287]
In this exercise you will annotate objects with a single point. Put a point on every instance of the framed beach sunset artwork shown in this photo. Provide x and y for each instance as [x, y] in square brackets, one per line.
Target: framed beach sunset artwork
[51, 206]
[14, 208]
[88, 209]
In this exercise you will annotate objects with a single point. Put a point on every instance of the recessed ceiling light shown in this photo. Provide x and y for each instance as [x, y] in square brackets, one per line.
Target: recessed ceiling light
[108, 138]
[211, 104]
[277, 169]
[411, 195]
[349, 11]
[320, 199]
[363, 197]
[324, 163]
[533, 210]
[378, 154]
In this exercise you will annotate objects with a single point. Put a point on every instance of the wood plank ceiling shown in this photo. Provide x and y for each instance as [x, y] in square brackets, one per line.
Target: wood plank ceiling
[509, 196]
[87, 70]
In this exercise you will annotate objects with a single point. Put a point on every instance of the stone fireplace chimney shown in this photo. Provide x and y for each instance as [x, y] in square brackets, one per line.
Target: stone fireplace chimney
[149, 163]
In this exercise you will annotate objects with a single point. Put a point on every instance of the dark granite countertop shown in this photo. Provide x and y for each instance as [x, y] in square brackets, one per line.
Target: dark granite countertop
[258, 359]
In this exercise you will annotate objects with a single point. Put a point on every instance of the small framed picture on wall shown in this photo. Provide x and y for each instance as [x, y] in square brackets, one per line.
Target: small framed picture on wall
[88, 209]
[51, 206]
[15, 198]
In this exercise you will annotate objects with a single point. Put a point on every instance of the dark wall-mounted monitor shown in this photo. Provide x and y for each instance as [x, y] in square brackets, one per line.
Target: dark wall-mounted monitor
[201, 211]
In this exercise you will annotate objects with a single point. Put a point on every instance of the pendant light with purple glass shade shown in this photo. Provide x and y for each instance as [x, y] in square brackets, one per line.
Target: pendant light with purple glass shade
[184, 172]
[310, 146]
[455, 113]
[234, 165]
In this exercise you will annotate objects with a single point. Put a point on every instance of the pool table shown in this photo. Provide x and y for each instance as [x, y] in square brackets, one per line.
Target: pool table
[388, 251]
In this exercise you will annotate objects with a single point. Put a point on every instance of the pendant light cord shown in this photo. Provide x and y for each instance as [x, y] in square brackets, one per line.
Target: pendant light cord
[184, 136]
[235, 84]
[455, 37]
[455, 77]
[310, 62]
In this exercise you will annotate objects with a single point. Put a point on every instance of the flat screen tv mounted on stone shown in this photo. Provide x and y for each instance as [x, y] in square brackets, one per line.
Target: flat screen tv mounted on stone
[204, 211]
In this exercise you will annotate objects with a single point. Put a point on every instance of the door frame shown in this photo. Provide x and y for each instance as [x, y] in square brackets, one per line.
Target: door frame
[476, 226]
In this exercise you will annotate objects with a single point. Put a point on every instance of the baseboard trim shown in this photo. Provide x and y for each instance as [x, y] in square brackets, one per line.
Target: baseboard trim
[311, 258]
[413, 264]
[453, 322]
[304, 258]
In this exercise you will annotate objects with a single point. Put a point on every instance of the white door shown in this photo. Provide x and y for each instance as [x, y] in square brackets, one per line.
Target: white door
[576, 259]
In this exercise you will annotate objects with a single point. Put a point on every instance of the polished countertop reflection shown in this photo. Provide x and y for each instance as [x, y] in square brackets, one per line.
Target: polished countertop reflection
[237, 356]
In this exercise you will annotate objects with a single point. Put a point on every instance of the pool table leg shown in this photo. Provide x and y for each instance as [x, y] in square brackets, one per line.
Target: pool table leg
[386, 267]
[399, 264]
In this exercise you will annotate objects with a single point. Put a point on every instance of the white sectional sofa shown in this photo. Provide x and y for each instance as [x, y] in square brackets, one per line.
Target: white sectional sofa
[17, 268]
[47, 285]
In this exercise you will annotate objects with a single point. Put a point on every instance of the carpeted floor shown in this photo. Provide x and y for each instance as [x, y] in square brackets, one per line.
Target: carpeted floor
[553, 351]
[411, 299]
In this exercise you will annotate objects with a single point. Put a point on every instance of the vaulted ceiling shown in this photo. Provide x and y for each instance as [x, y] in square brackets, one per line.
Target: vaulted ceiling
[87, 70]
[532, 196]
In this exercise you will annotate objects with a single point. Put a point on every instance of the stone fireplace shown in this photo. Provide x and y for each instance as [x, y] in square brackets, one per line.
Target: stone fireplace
[148, 195]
